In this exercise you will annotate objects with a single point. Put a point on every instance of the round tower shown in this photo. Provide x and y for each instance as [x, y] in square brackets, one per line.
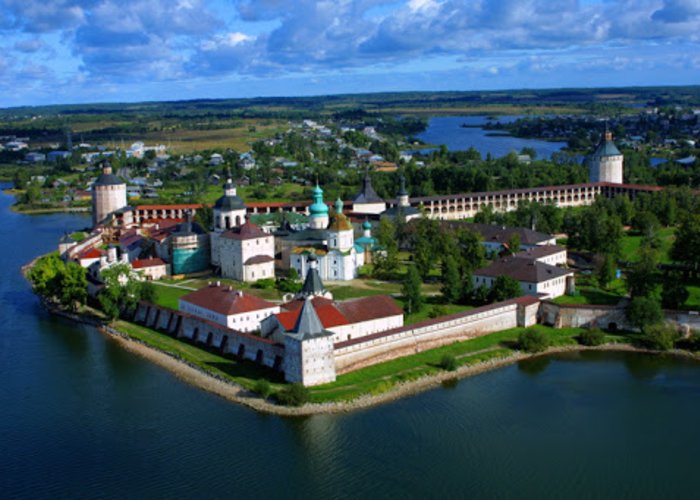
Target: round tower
[318, 210]
[108, 195]
[605, 164]
[402, 196]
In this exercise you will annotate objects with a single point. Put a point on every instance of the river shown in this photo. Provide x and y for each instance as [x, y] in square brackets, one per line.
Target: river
[448, 130]
[81, 417]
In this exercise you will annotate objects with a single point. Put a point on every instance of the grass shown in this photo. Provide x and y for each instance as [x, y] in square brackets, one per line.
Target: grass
[631, 244]
[243, 373]
[382, 377]
[168, 296]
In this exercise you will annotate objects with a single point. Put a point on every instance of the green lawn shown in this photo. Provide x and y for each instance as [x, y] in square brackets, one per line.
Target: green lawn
[371, 380]
[380, 378]
[168, 296]
[631, 244]
[244, 373]
[587, 293]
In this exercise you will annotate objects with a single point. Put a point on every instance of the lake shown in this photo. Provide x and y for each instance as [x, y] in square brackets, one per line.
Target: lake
[81, 417]
[448, 130]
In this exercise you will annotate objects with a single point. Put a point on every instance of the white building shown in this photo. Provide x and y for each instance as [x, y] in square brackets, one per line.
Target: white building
[402, 209]
[151, 269]
[226, 306]
[368, 201]
[554, 255]
[229, 212]
[338, 258]
[247, 253]
[108, 195]
[535, 278]
[605, 164]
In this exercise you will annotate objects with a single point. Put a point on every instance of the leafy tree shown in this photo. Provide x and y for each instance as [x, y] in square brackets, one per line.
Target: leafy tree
[532, 341]
[606, 270]
[471, 251]
[123, 291]
[411, 291]
[686, 247]
[58, 281]
[205, 216]
[451, 282]
[592, 337]
[660, 337]
[514, 243]
[262, 387]
[73, 286]
[641, 277]
[504, 288]
[644, 311]
[674, 293]
[293, 395]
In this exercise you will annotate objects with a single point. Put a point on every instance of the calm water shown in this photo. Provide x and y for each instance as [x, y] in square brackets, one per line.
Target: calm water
[80, 417]
[447, 130]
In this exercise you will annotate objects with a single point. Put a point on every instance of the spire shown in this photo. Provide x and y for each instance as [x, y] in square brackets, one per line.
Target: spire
[229, 187]
[402, 189]
[313, 286]
[338, 206]
[308, 323]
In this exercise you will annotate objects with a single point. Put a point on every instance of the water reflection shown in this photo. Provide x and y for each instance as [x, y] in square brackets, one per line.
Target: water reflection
[534, 366]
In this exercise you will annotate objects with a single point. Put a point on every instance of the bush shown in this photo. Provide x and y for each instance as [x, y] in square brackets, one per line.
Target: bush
[437, 311]
[293, 395]
[262, 387]
[660, 337]
[265, 284]
[532, 341]
[448, 362]
[592, 337]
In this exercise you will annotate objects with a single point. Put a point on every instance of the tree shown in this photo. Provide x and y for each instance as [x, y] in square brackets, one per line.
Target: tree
[73, 286]
[123, 291]
[686, 247]
[451, 282]
[606, 270]
[205, 216]
[514, 243]
[411, 291]
[643, 312]
[660, 337]
[641, 277]
[674, 293]
[532, 341]
[505, 288]
[592, 337]
[58, 281]
[293, 395]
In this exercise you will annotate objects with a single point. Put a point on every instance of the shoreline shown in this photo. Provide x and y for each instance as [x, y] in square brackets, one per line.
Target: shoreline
[232, 392]
[203, 380]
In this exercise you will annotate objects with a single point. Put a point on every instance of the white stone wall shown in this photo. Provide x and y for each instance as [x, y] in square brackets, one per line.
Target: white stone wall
[554, 259]
[233, 254]
[154, 272]
[369, 208]
[227, 219]
[309, 362]
[553, 288]
[364, 328]
[255, 272]
[341, 240]
[244, 322]
[409, 340]
[606, 169]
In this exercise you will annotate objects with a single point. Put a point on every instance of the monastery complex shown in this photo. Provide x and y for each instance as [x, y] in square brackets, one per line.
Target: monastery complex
[310, 337]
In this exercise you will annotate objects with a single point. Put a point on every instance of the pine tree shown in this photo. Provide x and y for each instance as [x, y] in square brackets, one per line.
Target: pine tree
[411, 291]
[451, 282]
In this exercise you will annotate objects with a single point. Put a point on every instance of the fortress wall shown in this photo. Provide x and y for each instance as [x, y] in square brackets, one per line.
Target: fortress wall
[211, 335]
[412, 339]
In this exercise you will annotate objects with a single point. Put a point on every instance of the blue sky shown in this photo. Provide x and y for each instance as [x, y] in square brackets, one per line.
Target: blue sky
[75, 51]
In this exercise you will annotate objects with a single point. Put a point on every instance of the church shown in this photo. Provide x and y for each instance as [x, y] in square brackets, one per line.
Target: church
[330, 241]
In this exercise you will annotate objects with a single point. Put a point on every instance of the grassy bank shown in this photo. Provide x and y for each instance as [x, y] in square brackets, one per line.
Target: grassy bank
[373, 380]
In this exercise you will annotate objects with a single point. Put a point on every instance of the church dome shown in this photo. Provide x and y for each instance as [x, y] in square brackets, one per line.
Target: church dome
[318, 208]
[230, 203]
[366, 225]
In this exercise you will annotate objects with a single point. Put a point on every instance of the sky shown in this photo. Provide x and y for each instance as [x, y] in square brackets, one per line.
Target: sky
[82, 51]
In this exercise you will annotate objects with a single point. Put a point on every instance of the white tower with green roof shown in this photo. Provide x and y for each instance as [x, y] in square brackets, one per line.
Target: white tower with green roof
[318, 210]
[605, 164]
